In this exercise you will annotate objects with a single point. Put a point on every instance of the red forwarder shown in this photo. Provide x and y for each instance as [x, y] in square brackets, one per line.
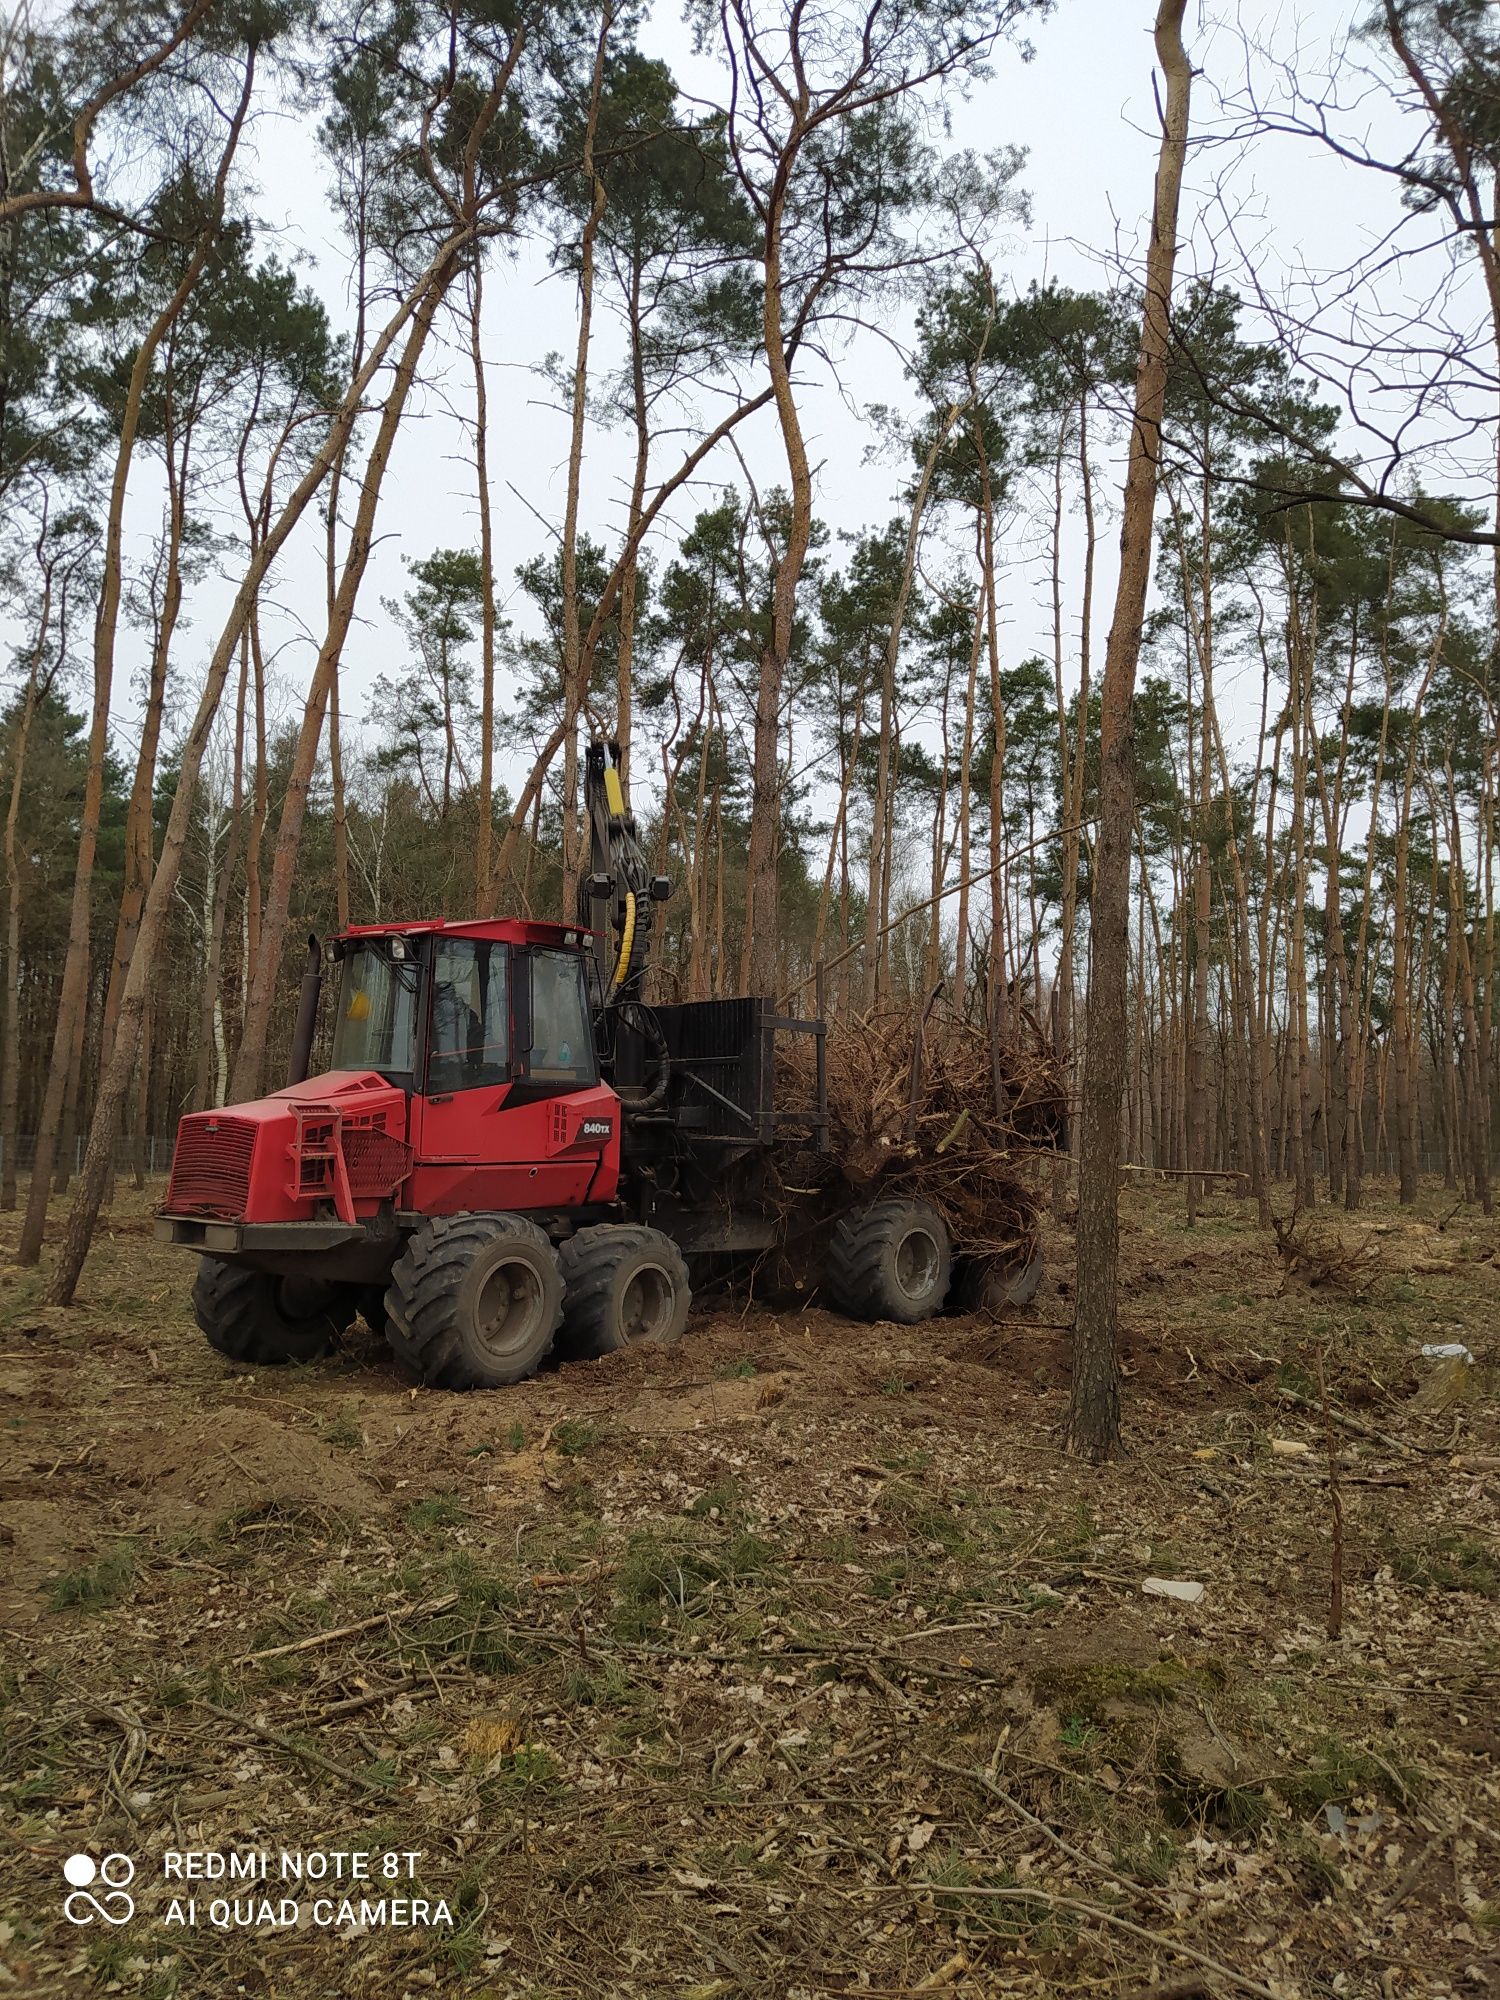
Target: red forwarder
[513, 1151]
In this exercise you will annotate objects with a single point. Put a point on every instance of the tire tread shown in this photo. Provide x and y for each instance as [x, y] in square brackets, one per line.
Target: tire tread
[236, 1313]
[590, 1260]
[855, 1275]
[424, 1285]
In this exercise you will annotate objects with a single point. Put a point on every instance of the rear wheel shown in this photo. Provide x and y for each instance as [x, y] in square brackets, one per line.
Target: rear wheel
[994, 1284]
[622, 1287]
[891, 1261]
[262, 1320]
[474, 1301]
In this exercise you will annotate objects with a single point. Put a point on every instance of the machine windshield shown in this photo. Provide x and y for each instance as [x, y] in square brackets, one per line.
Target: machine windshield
[377, 1020]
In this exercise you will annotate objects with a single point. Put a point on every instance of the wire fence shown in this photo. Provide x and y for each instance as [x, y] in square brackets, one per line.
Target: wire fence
[153, 1155]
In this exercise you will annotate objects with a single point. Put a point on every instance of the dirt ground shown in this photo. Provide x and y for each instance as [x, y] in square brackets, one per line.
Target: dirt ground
[798, 1661]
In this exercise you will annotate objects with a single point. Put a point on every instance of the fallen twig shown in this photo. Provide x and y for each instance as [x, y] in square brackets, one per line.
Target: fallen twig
[1413, 1874]
[430, 1609]
[555, 1579]
[294, 1749]
[1094, 1912]
[1023, 1812]
[1354, 1424]
[355, 1702]
[1336, 1516]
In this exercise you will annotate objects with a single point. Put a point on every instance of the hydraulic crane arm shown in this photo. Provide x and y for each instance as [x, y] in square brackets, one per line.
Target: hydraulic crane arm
[615, 896]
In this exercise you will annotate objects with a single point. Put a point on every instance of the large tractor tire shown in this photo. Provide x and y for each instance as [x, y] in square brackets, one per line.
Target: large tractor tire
[891, 1261]
[474, 1301]
[997, 1284]
[262, 1320]
[622, 1287]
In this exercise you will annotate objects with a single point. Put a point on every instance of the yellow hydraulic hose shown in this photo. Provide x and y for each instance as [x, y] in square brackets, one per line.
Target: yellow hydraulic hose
[626, 941]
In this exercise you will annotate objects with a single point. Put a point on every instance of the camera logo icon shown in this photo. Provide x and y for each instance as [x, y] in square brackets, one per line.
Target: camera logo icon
[114, 1873]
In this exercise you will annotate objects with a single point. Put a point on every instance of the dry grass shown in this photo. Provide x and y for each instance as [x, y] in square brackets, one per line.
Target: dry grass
[799, 1661]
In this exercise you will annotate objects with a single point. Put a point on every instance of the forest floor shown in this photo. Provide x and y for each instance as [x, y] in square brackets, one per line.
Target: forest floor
[798, 1661]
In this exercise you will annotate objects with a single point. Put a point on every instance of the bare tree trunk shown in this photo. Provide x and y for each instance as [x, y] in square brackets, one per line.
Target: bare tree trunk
[877, 896]
[10, 1048]
[210, 1018]
[1300, 652]
[266, 970]
[762, 900]
[840, 823]
[75, 965]
[624, 687]
[965, 772]
[575, 687]
[1403, 1035]
[989, 564]
[484, 844]
[1364, 996]
[62, 1173]
[1476, 1122]
[339, 812]
[1094, 1407]
[1202, 924]
[139, 842]
[417, 307]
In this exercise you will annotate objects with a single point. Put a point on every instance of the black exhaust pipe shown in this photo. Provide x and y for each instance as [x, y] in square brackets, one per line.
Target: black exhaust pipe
[307, 1013]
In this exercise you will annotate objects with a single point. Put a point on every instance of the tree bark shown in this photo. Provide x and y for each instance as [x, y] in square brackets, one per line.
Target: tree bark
[762, 899]
[1093, 1426]
[10, 1048]
[879, 869]
[484, 844]
[575, 681]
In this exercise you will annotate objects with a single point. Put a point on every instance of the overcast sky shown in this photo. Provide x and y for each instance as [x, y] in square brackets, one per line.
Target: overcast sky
[1082, 110]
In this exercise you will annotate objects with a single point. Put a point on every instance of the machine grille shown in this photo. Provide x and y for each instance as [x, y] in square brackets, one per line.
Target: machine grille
[211, 1166]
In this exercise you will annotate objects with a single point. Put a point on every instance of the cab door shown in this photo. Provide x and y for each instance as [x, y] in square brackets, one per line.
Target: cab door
[511, 1113]
[562, 1124]
[466, 1075]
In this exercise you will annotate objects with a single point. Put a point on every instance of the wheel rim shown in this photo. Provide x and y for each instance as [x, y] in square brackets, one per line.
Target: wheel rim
[508, 1307]
[917, 1263]
[647, 1305]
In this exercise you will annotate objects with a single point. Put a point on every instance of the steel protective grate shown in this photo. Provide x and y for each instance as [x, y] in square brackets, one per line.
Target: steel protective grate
[376, 1162]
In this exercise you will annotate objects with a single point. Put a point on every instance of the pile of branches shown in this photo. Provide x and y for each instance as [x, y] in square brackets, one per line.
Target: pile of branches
[937, 1111]
[1321, 1258]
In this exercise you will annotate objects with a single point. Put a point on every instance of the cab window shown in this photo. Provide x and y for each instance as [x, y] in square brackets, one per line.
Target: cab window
[377, 1019]
[562, 1041]
[469, 1037]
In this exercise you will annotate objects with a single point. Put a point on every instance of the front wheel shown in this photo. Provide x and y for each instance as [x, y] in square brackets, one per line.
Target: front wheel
[622, 1287]
[262, 1320]
[474, 1301]
[891, 1261]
